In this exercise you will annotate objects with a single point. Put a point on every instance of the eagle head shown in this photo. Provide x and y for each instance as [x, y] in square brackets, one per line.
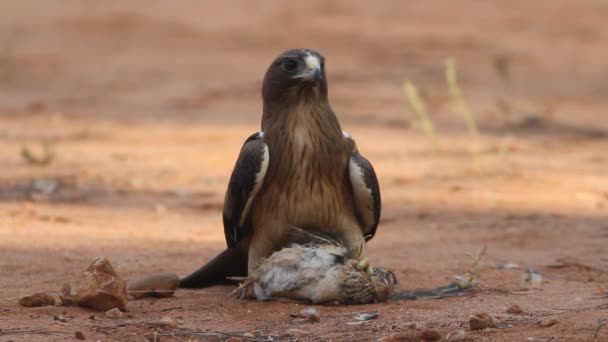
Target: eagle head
[295, 75]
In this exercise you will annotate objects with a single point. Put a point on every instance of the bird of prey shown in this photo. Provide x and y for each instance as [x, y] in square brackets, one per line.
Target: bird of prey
[300, 170]
[319, 271]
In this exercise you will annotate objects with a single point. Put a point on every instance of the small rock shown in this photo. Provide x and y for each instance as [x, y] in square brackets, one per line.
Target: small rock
[79, 335]
[367, 316]
[165, 322]
[248, 335]
[296, 332]
[456, 336]
[115, 313]
[515, 309]
[40, 299]
[412, 326]
[60, 318]
[508, 266]
[100, 288]
[311, 314]
[158, 285]
[430, 335]
[481, 321]
[235, 339]
[91, 316]
[548, 323]
[400, 337]
[533, 278]
[45, 186]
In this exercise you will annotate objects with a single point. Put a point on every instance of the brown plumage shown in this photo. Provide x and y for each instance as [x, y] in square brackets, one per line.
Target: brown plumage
[300, 170]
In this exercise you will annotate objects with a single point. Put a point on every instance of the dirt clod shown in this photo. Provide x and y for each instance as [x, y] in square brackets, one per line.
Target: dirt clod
[515, 310]
[165, 322]
[367, 316]
[79, 335]
[400, 337]
[60, 318]
[235, 339]
[295, 331]
[548, 322]
[481, 321]
[430, 335]
[115, 313]
[100, 288]
[456, 336]
[311, 314]
[40, 299]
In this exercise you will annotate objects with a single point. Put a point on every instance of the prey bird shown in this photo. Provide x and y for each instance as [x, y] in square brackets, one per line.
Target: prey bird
[300, 170]
[317, 270]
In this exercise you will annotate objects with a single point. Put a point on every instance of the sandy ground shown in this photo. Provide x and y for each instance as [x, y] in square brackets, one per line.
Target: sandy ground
[146, 104]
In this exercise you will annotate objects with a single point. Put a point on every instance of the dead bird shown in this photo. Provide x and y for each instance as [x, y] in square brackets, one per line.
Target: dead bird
[319, 271]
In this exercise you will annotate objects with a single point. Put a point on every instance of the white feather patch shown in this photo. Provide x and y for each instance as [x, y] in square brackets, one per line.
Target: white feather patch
[259, 180]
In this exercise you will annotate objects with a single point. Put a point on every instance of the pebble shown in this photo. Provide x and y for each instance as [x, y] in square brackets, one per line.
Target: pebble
[481, 321]
[400, 337]
[367, 316]
[115, 313]
[235, 339]
[430, 335]
[456, 336]
[79, 335]
[515, 309]
[165, 322]
[533, 278]
[311, 314]
[60, 318]
[295, 331]
[548, 323]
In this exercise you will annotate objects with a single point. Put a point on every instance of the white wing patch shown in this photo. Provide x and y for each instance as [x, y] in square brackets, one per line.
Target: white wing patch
[259, 180]
[357, 180]
[363, 194]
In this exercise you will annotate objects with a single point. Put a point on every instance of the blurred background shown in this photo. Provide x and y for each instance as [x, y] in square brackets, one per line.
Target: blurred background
[203, 61]
[120, 122]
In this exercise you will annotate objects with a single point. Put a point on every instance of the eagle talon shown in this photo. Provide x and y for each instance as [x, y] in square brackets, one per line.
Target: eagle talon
[364, 265]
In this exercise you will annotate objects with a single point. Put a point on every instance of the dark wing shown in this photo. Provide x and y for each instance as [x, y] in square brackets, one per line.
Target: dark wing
[366, 191]
[246, 179]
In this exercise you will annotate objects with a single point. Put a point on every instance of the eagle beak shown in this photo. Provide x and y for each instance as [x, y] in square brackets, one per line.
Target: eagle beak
[313, 70]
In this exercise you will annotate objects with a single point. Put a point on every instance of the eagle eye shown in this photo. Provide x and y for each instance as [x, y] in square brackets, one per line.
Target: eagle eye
[290, 65]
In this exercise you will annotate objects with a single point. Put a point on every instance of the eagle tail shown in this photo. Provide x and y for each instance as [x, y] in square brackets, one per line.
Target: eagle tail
[232, 262]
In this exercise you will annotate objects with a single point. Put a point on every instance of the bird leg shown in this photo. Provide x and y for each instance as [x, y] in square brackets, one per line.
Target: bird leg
[244, 289]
